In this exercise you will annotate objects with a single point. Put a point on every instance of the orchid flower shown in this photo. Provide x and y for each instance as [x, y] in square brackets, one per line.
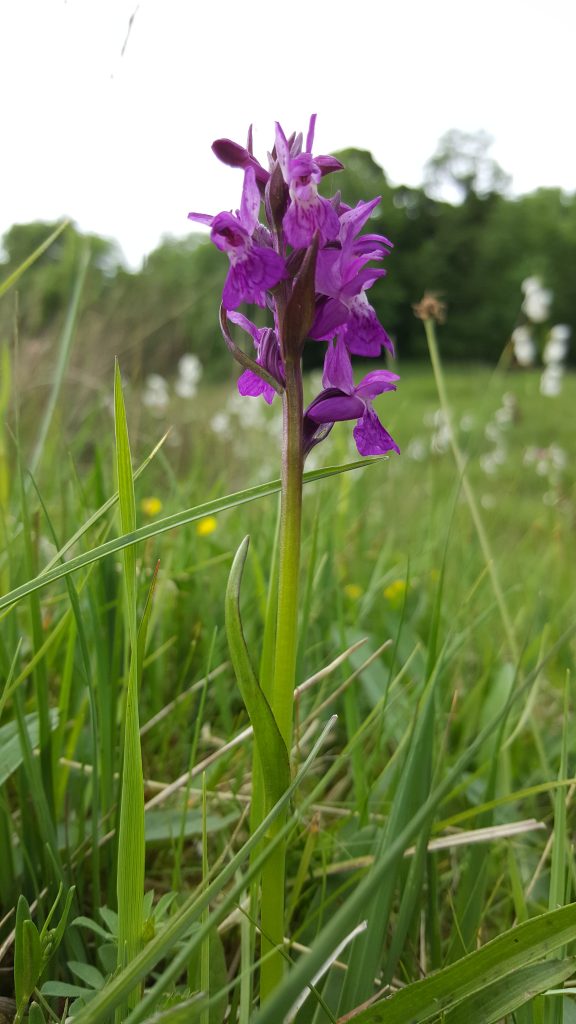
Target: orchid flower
[267, 356]
[253, 268]
[308, 212]
[342, 400]
[343, 277]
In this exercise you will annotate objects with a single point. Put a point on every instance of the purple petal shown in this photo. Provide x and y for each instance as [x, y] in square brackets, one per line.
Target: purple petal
[329, 272]
[353, 221]
[313, 433]
[310, 136]
[229, 235]
[327, 164]
[249, 383]
[332, 406]
[250, 204]
[370, 436]
[376, 383]
[201, 218]
[338, 368]
[252, 273]
[282, 152]
[362, 280]
[269, 355]
[236, 156]
[246, 325]
[366, 242]
[365, 335]
[304, 218]
[330, 314]
[304, 167]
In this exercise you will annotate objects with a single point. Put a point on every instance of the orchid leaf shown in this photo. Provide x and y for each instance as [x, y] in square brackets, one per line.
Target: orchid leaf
[269, 741]
[208, 508]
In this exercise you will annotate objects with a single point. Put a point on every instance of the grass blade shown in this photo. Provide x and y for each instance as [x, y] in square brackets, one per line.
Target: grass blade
[517, 948]
[209, 508]
[12, 278]
[495, 1001]
[131, 843]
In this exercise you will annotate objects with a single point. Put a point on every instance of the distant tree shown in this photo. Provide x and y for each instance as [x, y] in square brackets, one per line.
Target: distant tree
[475, 254]
[462, 167]
[47, 286]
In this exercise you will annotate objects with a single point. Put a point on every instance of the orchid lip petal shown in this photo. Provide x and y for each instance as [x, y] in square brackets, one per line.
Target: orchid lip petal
[370, 436]
[252, 386]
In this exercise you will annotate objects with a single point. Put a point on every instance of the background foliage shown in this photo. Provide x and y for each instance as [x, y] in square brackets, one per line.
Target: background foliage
[484, 244]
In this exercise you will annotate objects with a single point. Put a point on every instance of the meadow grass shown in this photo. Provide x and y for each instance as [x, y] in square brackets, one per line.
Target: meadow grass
[428, 819]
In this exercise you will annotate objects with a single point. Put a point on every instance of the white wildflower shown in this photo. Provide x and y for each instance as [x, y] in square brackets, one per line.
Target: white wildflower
[155, 394]
[551, 380]
[523, 345]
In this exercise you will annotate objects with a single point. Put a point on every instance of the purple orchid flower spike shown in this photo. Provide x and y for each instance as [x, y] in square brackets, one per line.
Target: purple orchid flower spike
[253, 268]
[308, 263]
[267, 356]
[308, 212]
[319, 290]
[341, 400]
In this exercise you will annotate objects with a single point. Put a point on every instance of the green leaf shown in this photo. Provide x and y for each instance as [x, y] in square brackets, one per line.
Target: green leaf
[270, 744]
[64, 349]
[87, 973]
[52, 939]
[13, 277]
[503, 997]
[162, 946]
[63, 990]
[165, 825]
[517, 948]
[131, 844]
[35, 1014]
[183, 1012]
[208, 508]
[27, 957]
[11, 753]
[125, 489]
[87, 922]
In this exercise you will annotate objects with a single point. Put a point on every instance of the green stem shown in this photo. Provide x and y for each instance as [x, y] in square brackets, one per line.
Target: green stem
[468, 492]
[289, 553]
[282, 697]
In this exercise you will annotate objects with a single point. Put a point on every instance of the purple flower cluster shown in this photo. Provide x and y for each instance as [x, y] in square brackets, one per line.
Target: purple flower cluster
[309, 265]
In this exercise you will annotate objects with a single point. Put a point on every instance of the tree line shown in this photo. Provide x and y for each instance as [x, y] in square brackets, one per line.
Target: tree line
[474, 253]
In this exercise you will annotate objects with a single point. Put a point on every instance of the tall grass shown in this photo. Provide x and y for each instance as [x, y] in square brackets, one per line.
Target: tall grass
[427, 828]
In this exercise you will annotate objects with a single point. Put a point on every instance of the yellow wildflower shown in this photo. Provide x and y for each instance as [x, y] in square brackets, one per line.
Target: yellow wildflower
[353, 591]
[151, 506]
[206, 526]
[395, 591]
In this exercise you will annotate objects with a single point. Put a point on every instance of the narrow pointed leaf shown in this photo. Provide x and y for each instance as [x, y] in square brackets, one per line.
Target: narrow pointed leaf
[271, 746]
[494, 1002]
[208, 508]
[440, 992]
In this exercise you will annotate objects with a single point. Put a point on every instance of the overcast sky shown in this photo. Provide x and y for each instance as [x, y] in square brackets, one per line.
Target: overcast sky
[111, 123]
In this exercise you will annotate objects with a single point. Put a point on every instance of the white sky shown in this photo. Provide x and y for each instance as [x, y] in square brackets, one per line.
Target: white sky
[121, 142]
